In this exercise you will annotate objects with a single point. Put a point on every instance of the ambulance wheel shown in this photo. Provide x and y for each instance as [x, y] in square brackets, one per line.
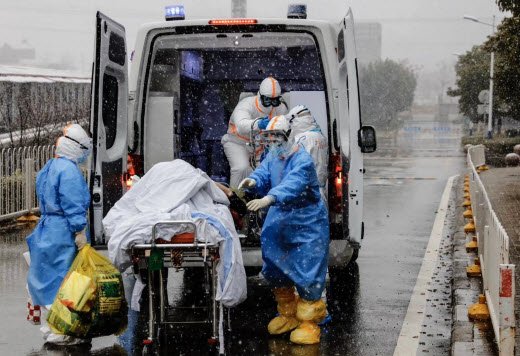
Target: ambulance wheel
[252, 271]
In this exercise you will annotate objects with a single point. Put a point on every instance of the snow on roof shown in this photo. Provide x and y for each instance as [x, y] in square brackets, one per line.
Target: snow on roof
[38, 75]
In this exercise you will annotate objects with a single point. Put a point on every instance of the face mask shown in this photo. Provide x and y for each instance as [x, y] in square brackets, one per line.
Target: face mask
[83, 158]
[279, 151]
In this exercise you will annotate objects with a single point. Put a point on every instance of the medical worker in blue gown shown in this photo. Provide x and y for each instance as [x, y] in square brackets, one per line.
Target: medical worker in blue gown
[64, 199]
[295, 234]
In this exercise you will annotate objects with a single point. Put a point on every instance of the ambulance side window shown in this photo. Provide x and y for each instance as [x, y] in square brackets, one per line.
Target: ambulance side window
[110, 97]
[341, 46]
[116, 49]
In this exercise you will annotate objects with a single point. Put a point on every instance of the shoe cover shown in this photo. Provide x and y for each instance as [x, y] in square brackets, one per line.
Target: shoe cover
[314, 311]
[287, 303]
[307, 333]
[282, 324]
[309, 313]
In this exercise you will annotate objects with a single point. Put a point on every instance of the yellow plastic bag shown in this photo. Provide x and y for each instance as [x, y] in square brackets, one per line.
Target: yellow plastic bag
[91, 300]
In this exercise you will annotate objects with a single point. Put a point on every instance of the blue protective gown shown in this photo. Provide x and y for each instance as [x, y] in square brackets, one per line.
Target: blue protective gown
[295, 235]
[64, 200]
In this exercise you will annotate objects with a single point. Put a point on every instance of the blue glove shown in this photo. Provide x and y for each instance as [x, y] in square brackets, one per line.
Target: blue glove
[262, 124]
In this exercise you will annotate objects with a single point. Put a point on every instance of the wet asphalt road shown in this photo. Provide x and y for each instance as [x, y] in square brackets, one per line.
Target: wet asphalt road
[367, 307]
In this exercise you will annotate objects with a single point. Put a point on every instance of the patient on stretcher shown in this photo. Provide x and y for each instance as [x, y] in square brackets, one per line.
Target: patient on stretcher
[173, 191]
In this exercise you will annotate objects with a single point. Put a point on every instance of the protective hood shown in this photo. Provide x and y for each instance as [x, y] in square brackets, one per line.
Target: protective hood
[301, 121]
[75, 144]
[270, 88]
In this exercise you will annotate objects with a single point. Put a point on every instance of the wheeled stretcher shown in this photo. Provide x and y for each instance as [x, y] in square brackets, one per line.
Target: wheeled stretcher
[153, 260]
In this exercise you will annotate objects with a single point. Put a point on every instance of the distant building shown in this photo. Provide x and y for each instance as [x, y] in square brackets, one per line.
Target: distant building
[10, 55]
[368, 41]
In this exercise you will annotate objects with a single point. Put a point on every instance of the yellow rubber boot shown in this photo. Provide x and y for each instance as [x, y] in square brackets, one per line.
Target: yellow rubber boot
[309, 313]
[287, 302]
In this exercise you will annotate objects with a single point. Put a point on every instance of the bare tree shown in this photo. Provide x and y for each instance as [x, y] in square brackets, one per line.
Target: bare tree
[42, 110]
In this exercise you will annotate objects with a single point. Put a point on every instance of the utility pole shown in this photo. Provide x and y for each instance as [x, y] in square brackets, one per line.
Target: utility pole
[238, 8]
[491, 71]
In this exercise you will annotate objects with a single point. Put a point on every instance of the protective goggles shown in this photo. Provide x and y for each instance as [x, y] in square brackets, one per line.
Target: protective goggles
[267, 101]
[85, 145]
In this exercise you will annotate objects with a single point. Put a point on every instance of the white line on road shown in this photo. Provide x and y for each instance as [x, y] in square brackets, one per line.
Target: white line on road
[408, 341]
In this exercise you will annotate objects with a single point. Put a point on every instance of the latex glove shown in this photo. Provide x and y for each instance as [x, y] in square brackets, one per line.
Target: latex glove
[262, 124]
[81, 239]
[257, 204]
[247, 183]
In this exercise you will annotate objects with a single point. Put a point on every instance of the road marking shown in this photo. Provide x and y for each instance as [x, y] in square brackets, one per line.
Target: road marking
[408, 341]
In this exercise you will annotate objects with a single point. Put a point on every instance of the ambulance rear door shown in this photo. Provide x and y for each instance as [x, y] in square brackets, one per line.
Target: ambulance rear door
[350, 124]
[108, 121]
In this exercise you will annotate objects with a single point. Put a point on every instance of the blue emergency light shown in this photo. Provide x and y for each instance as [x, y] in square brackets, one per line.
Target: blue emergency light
[297, 11]
[175, 12]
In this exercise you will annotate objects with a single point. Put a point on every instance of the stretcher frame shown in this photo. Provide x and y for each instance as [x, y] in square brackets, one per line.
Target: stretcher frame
[199, 254]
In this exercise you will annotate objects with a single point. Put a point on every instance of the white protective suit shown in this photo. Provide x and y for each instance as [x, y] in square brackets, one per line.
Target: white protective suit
[239, 130]
[176, 190]
[306, 131]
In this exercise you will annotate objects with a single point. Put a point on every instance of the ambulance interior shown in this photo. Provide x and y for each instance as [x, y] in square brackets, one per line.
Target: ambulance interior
[196, 80]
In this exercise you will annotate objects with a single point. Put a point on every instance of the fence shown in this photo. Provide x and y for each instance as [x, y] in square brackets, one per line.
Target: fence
[493, 250]
[18, 168]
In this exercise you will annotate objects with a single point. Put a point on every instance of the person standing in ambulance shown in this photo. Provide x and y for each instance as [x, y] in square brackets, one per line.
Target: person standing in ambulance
[267, 103]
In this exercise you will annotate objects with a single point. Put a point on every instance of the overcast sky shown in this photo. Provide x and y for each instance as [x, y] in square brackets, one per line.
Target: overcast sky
[426, 32]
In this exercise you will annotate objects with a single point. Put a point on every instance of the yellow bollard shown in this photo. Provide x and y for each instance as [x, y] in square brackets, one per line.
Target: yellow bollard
[483, 168]
[478, 171]
[468, 214]
[474, 270]
[472, 246]
[470, 227]
[466, 203]
[466, 196]
[466, 184]
[479, 311]
[466, 189]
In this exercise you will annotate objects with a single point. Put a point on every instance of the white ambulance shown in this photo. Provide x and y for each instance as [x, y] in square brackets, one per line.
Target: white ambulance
[187, 76]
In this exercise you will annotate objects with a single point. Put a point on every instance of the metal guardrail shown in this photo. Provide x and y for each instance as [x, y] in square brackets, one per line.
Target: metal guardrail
[493, 250]
[18, 168]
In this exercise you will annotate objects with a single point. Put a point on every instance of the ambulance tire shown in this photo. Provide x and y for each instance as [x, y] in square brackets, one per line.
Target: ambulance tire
[253, 271]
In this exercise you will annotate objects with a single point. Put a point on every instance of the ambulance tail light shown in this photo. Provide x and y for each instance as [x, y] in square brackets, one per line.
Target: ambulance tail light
[233, 22]
[134, 166]
[336, 185]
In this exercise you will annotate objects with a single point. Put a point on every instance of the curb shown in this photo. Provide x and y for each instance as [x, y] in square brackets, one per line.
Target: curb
[467, 337]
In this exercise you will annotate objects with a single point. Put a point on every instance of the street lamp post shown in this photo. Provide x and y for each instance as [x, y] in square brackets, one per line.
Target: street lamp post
[491, 73]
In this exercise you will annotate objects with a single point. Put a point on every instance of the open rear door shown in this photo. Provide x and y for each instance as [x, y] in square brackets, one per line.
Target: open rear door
[108, 121]
[350, 124]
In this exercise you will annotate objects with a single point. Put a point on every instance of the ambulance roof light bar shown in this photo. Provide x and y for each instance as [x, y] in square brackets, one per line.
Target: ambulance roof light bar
[297, 11]
[174, 12]
[230, 22]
